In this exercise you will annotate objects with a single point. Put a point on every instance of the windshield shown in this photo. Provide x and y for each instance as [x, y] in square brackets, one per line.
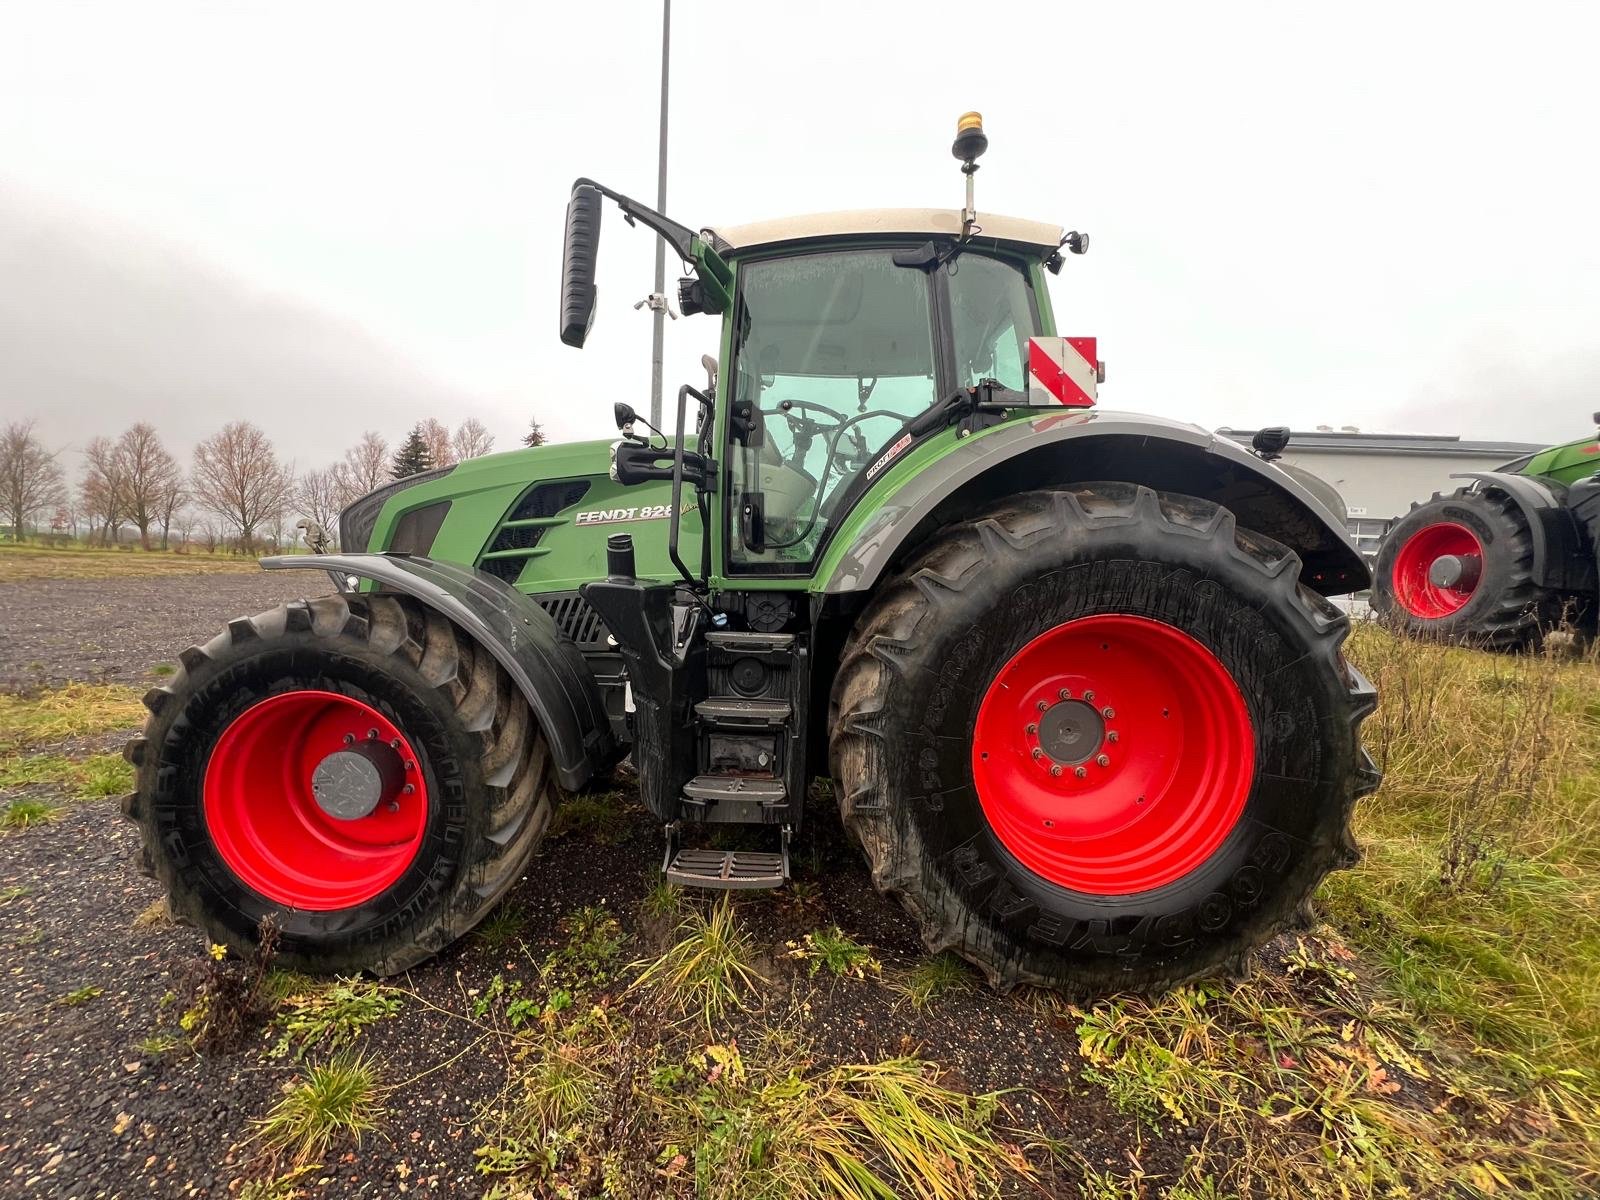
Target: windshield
[834, 353]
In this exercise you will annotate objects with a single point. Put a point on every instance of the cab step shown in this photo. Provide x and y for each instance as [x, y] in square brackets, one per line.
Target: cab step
[735, 799]
[730, 712]
[726, 870]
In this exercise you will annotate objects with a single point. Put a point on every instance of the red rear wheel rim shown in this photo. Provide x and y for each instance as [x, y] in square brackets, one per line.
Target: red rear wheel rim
[1413, 562]
[1156, 726]
[267, 823]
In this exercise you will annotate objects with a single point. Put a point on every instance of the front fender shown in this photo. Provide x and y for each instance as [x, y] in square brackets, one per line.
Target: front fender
[545, 665]
[1561, 559]
[937, 487]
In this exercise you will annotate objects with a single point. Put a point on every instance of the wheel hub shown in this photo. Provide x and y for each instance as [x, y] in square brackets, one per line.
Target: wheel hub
[1459, 571]
[349, 784]
[1071, 732]
[1435, 571]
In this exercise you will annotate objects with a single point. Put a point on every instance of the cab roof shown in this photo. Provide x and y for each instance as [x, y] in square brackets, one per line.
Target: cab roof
[872, 222]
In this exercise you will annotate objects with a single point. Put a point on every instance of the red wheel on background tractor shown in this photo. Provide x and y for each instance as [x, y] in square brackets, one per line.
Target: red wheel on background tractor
[1100, 738]
[1460, 569]
[354, 769]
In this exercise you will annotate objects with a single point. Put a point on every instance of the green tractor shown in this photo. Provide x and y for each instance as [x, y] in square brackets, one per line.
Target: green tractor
[1073, 673]
[1501, 561]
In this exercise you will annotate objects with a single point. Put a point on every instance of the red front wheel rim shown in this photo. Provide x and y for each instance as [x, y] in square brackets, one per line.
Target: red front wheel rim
[1436, 570]
[1113, 754]
[285, 791]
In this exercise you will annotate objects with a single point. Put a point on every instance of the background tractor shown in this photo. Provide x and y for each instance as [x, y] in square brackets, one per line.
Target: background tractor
[1072, 672]
[1502, 560]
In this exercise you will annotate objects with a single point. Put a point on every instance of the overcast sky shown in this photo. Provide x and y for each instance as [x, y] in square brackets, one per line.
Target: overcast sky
[336, 216]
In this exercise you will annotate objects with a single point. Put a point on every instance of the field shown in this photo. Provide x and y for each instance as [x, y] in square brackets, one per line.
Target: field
[76, 561]
[1435, 1033]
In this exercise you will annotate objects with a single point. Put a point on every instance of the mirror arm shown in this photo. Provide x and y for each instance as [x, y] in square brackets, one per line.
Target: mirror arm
[679, 238]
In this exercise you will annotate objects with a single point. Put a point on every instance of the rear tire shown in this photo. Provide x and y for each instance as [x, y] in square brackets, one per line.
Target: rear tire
[481, 802]
[1100, 906]
[1503, 609]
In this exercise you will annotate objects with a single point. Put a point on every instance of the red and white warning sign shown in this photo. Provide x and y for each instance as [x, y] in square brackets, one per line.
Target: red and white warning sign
[1062, 370]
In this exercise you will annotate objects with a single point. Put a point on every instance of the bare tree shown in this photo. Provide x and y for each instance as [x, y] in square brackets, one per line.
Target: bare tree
[102, 490]
[365, 466]
[472, 440]
[148, 475]
[318, 497]
[436, 437]
[237, 475]
[30, 478]
[171, 501]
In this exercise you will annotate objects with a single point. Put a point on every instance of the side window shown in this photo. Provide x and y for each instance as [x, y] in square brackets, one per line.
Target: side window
[992, 310]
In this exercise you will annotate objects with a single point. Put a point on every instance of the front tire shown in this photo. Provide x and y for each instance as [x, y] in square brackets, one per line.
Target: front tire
[353, 768]
[1460, 569]
[990, 794]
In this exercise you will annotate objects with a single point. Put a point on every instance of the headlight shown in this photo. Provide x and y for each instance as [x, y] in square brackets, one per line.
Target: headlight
[356, 522]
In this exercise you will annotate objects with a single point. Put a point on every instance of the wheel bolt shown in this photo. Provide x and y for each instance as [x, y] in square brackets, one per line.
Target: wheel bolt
[1112, 736]
[1055, 770]
[1065, 693]
[1102, 761]
[411, 766]
[394, 743]
[1038, 753]
[1108, 712]
[394, 806]
[372, 735]
[1089, 696]
[1030, 728]
[1079, 772]
[408, 790]
[1042, 705]
[349, 739]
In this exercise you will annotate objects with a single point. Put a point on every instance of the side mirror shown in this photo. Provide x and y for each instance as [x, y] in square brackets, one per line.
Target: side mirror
[579, 253]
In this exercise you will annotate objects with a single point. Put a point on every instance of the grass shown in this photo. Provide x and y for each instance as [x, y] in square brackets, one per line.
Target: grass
[339, 1098]
[74, 711]
[14, 892]
[99, 775]
[331, 1017]
[600, 817]
[832, 950]
[502, 928]
[20, 562]
[25, 812]
[81, 995]
[934, 977]
[710, 969]
[1479, 895]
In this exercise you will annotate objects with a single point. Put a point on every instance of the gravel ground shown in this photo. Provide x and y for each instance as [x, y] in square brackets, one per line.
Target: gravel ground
[88, 1110]
[54, 631]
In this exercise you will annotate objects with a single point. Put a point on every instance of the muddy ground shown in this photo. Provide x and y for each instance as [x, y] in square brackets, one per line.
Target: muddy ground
[88, 1108]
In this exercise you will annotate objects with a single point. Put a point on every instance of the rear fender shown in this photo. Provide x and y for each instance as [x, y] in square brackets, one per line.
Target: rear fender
[1562, 555]
[1080, 447]
[545, 665]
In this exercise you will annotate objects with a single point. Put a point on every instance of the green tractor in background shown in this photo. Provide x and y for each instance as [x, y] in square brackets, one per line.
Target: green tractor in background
[1504, 559]
[1073, 673]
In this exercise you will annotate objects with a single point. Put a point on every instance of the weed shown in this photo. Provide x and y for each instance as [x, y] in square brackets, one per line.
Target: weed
[158, 1045]
[340, 1097]
[501, 928]
[14, 892]
[106, 775]
[219, 997]
[25, 812]
[77, 710]
[588, 959]
[933, 977]
[602, 817]
[663, 900]
[710, 969]
[81, 995]
[163, 670]
[830, 948]
[279, 1187]
[279, 984]
[332, 1017]
[154, 915]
